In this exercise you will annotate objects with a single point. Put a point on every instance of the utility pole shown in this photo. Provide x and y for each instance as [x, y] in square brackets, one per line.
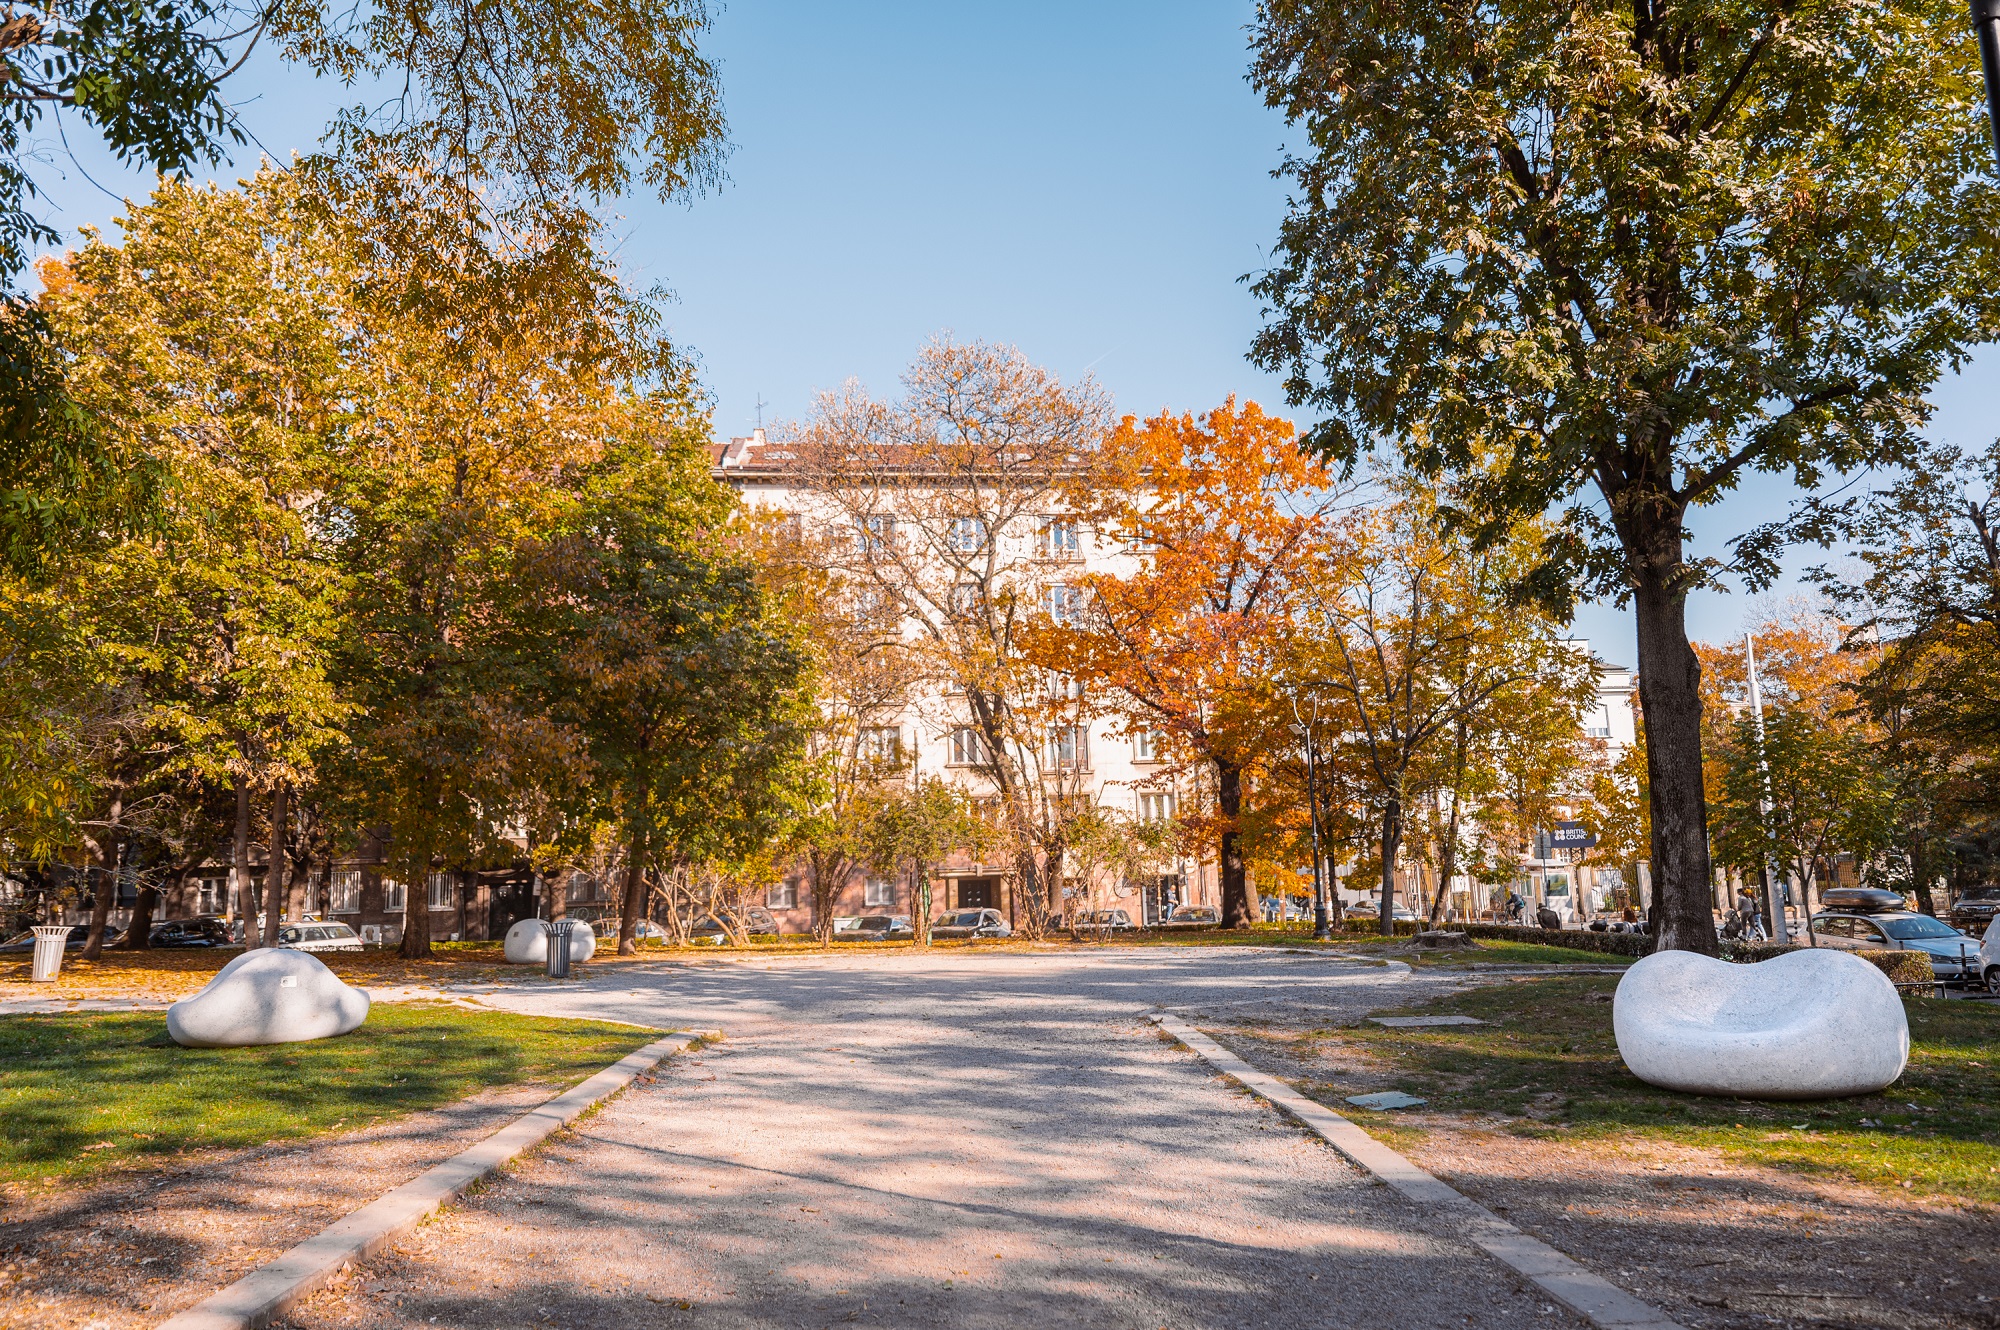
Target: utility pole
[1322, 928]
[1774, 891]
[1986, 23]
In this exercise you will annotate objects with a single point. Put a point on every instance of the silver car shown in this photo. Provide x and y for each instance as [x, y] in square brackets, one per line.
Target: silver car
[1954, 956]
[971, 923]
[318, 937]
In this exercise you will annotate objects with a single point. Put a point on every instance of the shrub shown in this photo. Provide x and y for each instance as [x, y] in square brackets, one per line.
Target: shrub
[1902, 967]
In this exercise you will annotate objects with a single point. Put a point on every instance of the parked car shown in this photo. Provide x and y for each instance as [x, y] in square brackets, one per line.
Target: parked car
[203, 932]
[1954, 956]
[1112, 921]
[1989, 956]
[1369, 912]
[877, 928]
[645, 931]
[318, 937]
[74, 942]
[711, 930]
[972, 923]
[1975, 908]
[1199, 916]
[1861, 900]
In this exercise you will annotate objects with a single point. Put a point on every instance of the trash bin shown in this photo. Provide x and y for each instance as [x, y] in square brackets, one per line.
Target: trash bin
[49, 942]
[559, 932]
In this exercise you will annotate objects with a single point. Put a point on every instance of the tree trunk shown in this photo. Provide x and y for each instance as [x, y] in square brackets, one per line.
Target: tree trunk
[825, 887]
[1920, 875]
[1670, 695]
[634, 894]
[102, 898]
[274, 871]
[1236, 903]
[237, 904]
[1392, 841]
[1448, 862]
[920, 902]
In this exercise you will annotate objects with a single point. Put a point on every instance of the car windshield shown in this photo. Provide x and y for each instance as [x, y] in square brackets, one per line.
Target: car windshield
[1982, 894]
[1913, 929]
[875, 921]
[970, 919]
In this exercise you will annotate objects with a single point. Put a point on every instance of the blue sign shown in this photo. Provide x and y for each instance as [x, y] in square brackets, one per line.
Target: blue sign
[1572, 836]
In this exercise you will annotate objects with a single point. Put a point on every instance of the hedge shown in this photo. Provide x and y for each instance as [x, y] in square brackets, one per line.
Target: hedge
[1902, 967]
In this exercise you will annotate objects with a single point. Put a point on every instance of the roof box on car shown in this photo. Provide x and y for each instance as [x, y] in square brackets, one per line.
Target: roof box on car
[1862, 900]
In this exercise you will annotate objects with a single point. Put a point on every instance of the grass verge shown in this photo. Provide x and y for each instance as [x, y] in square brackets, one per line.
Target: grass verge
[1549, 1060]
[84, 1095]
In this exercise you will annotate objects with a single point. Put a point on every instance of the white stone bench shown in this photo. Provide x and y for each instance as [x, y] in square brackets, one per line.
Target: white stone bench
[528, 943]
[1813, 1024]
[271, 996]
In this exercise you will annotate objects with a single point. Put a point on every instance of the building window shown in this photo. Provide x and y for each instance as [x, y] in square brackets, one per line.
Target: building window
[878, 893]
[1056, 538]
[1597, 725]
[1069, 747]
[344, 892]
[1064, 604]
[965, 535]
[882, 744]
[1145, 746]
[1157, 807]
[210, 895]
[782, 896]
[965, 600]
[873, 533]
[579, 887]
[869, 608]
[968, 747]
[395, 896]
[440, 891]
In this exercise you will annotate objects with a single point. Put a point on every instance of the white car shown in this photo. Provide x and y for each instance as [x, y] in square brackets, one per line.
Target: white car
[318, 937]
[1989, 956]
[645, 930]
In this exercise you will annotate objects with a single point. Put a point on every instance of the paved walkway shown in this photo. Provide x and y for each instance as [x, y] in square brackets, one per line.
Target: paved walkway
[956, 1139]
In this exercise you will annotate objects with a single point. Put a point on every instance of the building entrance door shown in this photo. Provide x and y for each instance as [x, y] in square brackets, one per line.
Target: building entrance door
[513, 900]
[979, 893]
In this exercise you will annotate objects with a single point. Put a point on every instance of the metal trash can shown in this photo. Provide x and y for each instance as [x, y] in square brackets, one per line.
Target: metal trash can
[50, 939]
[559, 932]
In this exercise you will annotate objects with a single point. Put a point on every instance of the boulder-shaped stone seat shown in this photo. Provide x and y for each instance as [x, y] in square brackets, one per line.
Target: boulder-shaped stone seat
[270, 996]
[528, 943]
[1812, 1024]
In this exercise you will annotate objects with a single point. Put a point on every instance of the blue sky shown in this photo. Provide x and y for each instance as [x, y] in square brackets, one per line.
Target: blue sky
[1084, 180]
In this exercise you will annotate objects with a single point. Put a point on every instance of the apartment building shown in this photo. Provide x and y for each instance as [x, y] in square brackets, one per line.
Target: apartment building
[1097, 757]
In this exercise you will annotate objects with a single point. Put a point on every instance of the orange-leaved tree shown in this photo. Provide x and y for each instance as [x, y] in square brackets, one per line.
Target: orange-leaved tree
[1224, 520]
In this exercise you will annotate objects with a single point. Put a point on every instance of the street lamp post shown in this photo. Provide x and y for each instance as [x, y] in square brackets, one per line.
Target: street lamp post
[1986, 22]
[1322, 928]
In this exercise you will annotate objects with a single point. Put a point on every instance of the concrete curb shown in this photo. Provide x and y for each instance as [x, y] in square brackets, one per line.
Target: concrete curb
[1589, 1296]
[264, 1294]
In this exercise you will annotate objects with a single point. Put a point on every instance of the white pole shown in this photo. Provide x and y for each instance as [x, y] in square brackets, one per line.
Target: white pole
[1774, 892]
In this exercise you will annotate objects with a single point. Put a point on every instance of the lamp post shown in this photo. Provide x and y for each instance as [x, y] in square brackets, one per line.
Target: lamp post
[1322, 926]
[1986, 23]
[1774, 891]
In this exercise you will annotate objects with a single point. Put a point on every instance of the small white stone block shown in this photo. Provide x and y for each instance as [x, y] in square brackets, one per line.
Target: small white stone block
[270, 996]
[528, 943]
[1812, 1024]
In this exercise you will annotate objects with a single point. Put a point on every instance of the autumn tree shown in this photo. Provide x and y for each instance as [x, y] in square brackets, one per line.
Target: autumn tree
[914, 829]
[690, 694]
[1638, 249]
[618, 91]
[1408, 636]
[948, 524]
[1226, 522]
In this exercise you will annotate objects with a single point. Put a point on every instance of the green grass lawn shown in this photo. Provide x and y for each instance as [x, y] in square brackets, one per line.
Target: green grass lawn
[1550, 1058]
[89, 1093]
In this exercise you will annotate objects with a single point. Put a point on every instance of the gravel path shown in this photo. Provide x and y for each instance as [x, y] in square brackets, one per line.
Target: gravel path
[954, 1139]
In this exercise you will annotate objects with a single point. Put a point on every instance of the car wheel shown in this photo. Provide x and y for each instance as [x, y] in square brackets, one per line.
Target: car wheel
[1993, 978]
